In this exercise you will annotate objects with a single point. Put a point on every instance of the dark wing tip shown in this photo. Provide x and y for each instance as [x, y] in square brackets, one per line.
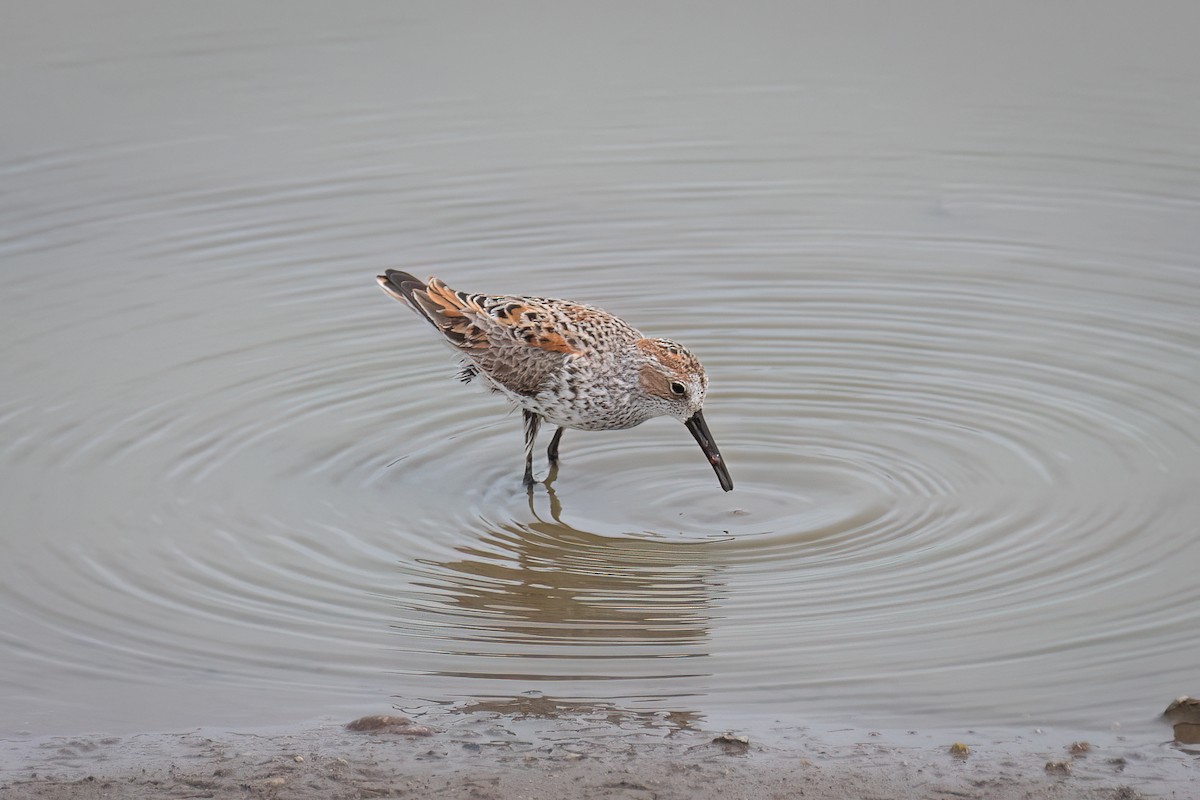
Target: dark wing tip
[400, 285]
[400, 277]
[399, 280]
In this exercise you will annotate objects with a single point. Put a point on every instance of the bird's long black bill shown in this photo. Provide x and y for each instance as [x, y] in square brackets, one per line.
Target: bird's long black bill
[699, 429]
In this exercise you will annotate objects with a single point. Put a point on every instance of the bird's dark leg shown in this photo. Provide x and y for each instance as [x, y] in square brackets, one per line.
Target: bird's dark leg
[552, 450]
[532, 423]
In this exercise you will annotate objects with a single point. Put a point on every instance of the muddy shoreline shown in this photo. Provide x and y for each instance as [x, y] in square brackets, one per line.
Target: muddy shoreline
[486, 754]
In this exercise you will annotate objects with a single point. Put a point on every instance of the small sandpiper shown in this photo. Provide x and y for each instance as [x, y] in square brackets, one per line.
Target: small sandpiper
[572, 365]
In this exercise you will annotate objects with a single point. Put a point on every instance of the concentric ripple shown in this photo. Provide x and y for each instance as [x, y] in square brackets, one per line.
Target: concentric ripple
[939, 496]
[955, 373]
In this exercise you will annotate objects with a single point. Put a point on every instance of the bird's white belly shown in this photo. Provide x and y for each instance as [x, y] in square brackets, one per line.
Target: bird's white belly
[587, 412]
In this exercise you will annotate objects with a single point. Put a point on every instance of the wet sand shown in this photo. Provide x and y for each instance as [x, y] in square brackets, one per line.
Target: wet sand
[488, 755]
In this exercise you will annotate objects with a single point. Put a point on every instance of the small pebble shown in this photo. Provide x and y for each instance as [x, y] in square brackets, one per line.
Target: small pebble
[733, 743]
[298, 759]
[1183, 709]
[374, 722]
[383, 723]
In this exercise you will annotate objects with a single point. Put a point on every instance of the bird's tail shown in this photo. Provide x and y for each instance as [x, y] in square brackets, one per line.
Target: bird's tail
[445, 308]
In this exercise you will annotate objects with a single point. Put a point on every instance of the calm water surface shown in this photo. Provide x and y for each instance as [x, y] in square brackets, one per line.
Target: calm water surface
[941, 267]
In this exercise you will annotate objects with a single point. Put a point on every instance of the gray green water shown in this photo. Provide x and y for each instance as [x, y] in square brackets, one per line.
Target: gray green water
[941, 265]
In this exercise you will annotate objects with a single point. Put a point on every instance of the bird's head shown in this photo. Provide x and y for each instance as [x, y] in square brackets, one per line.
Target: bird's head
[674, 382]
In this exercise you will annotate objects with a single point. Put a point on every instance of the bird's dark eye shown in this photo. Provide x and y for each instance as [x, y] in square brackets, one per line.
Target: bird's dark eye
[678, 388]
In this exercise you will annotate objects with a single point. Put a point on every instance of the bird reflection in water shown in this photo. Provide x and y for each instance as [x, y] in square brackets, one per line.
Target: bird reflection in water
[543, 599]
